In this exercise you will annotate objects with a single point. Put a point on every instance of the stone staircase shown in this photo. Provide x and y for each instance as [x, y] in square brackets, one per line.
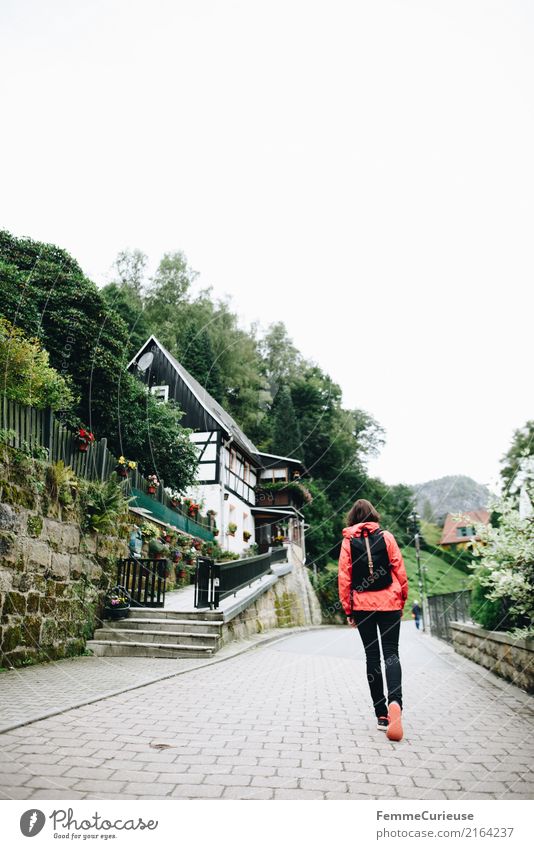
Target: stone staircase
[152, 632]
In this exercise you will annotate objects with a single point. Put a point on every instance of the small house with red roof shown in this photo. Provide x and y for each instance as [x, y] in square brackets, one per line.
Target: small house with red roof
[460, 532]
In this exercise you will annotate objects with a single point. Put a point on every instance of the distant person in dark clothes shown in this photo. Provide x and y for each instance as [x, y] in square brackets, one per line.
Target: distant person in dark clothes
[416, 613]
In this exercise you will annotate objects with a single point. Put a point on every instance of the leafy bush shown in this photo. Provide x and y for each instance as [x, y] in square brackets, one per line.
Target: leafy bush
[326, 588]
[103, 506]
[26, 375]
[61, 483]
[489, 613]
[503, 573]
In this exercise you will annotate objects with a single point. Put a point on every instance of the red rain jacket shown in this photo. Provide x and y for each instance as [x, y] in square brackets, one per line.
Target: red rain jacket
[392, 597]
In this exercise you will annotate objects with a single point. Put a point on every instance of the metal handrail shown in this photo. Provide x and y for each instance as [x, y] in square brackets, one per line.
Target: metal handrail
[216, 581]
[446, 608]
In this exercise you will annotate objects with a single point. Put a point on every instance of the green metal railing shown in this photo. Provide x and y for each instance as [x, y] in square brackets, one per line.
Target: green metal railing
[162, 513]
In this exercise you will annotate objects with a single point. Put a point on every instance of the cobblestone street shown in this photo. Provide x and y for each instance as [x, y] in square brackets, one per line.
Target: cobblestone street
[290, 720]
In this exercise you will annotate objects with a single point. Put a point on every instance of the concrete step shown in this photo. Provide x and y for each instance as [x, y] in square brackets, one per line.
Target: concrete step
[160, 613]
[133, 623]
[182, 638]
[110, 648]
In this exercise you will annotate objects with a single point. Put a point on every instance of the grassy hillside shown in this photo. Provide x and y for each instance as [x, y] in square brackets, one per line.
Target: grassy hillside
[430, 532]
[440, 577]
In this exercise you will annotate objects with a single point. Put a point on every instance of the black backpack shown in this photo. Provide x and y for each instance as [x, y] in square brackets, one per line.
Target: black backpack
[371, 569]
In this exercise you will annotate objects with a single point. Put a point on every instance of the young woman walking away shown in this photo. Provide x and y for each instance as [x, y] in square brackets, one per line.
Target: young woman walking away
[373, 588]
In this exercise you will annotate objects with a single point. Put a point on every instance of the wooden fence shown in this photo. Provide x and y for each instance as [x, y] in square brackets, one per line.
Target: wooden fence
[39, 431]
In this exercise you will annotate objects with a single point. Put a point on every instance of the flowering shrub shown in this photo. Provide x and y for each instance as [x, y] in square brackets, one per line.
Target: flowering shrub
[149, 530]
[117, 597]
[84, 438]
[503, 571]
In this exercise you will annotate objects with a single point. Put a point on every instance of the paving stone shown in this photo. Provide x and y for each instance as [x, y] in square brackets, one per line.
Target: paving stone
[275, 723]
[247, 769]
[274, 781]
[100, 786]
[299, 794]
[298, 772]
[248, 793]
[143, 789]
[323, 785]
[201, 791]
[88, 772]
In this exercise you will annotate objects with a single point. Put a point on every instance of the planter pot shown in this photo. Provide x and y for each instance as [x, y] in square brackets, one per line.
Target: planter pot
[118, 612]
[151, 490]
[83, 447]
[121, 472]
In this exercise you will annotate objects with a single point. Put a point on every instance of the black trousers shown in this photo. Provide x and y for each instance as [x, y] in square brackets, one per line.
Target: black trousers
[387, 624]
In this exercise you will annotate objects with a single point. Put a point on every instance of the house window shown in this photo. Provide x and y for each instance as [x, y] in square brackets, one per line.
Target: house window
[233, 458]
[465, 531]
[246, 472]
[161, 393]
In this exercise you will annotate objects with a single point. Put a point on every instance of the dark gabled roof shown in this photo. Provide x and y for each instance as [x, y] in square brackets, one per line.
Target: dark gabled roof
[209, 403]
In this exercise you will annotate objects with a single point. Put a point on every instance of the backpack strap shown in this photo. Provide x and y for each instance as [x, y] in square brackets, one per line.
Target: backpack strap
[368, 547]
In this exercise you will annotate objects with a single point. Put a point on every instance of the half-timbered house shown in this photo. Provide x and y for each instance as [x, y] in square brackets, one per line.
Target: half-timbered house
[230, 466]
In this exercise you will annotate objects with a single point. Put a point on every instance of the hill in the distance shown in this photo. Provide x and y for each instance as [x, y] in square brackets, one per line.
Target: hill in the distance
[451, 494]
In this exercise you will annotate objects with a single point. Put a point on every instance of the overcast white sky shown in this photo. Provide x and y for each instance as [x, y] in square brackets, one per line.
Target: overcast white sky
[362, 170]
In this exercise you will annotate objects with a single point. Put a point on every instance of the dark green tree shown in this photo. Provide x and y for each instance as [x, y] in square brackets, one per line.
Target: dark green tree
[198, 357]
[88, 340]
[521, 448]
[124, 301]
[286, 438]
[130, 270]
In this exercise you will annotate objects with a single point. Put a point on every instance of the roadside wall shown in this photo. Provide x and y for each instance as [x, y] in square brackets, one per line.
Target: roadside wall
[291, 601]
[495, 650]
[52, 577]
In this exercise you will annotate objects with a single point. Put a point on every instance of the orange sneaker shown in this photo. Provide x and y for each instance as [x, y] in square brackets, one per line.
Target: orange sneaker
[394, 730]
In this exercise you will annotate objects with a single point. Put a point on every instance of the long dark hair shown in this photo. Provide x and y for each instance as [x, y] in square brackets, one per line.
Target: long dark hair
[362, 511]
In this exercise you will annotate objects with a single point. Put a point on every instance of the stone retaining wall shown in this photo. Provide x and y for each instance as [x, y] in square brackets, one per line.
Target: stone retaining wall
[52, 577]
[512, 659]
[291, 601]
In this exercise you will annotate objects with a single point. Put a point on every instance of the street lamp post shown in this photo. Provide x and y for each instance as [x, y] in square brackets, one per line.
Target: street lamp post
[414, 519]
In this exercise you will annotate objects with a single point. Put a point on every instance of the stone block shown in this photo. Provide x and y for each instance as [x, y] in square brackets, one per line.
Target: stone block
[49, 631]
[76, 566]
[37, 553]
[31, 628]
[60, 565]
[32, 602]
[70, 538]
[15, 603]
[52, 532]
[6, 579]
[11, 638]
[9, 518]
[88, 544]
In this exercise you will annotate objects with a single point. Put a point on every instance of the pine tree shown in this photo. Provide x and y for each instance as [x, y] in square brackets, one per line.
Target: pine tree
[286, 438]
[198, 357]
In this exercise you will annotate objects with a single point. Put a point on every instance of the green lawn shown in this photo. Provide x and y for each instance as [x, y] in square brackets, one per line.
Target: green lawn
[431, 533]
[440, 577]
